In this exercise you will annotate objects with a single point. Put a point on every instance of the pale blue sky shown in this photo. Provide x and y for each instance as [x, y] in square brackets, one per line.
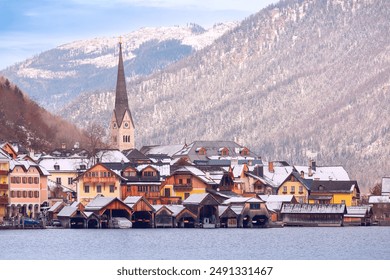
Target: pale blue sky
[29, 27]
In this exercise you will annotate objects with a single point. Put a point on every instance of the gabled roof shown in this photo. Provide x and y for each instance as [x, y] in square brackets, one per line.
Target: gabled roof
[99, 203]
[56, 206]
[111, 155]
[358, 211]
[131, 201]
[135, 155]
[242, 200]
[333, 173]
[26, 164]
[203, 176]
[307, 183]
[65, 164]
[196, 199]
[334, 186]
[168, 150]
[313, 208]
[67, 211]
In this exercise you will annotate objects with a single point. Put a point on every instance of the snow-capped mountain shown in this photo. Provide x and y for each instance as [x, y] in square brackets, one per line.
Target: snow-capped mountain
[299, 77]
[55, 77]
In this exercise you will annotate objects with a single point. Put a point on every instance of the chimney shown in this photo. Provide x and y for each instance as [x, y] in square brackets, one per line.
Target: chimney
[302, 174]
[310, 172]
[271, 167]
[259, 170]
[313, 165]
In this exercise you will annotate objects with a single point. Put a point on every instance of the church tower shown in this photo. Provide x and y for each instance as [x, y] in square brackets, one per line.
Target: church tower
[122, 124]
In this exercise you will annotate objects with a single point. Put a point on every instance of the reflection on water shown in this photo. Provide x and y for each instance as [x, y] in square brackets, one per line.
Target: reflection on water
[347, 243]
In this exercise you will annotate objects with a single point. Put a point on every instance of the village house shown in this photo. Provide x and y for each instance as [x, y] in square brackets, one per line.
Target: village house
[27, 187]
[251, 211]
[313, 214]
[295, 185]
[98, 180]
[322, 173]
[142, 211]
[335, 192]
[63, 172]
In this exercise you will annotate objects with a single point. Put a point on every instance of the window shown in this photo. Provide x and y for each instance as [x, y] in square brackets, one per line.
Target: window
[70, 181]
[148, 173]
[292, 189]
[343, 201]
[167, 192]
[36, 194]
[126, 138]
[18, 194]
[285, 189]
[24, 180]
[56, 167]
[180, 181]
[186, 195]
[36, 180]
[30, 180]
[58, 181]
[254, 206]
[301, 200]
[300, 189]
[188, 180]
[98, 188]
[12, 193]
[86, 189]
[30, 194]
[112, 188]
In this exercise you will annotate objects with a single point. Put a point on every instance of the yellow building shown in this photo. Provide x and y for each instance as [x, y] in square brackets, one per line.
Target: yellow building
[98, 180]
[184, 182]
[335, 192]
[4, 187]
[295, 185]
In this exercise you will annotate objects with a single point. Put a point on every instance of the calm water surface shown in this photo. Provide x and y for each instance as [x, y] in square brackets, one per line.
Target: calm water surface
[345, 243]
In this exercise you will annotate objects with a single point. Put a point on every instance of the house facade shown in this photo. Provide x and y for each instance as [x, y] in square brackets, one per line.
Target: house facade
[4, 183]
[27, 187]
[297, 186]
[98, 180]
[335, 192]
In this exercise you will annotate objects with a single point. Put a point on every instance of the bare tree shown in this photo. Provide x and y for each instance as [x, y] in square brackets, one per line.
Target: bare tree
[376, 190]
[96, 141]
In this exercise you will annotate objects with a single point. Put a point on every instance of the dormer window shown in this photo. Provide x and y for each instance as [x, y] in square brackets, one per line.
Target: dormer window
[244, 152]
[223, 151]
[201, 151]
[83, 167]
[56, 166]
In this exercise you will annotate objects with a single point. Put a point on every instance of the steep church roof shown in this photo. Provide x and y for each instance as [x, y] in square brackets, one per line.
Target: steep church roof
[121, 100]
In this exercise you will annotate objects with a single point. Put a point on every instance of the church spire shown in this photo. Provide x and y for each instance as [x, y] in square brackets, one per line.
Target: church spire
[121, 101]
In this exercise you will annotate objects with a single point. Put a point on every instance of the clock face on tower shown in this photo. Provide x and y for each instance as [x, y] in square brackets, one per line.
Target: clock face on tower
[126, 124]
[114, 125]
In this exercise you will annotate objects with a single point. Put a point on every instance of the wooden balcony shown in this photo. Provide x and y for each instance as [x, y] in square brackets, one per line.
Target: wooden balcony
[3, 187]
[182, 187]
[99, 180]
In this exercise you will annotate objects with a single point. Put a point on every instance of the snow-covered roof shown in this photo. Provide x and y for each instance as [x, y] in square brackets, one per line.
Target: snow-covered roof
[4, 156]
[205, 177]
[195, 198]
[163, 169]
[55, 206]
[237, 170]
[237, 209]
[106, 156]
[131, 200]
[379, 199]
[335, 173]
[168, 150]
[386, 186]
[241, 200]
[176, 209]
[98, 203]
[277, 177]
[26, 164]
[70, 164]
[277, 198]
[357, 211]
[67, 211]
[313, 208]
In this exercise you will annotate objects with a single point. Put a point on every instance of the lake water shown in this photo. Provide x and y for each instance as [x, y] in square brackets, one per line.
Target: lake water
[292, 243]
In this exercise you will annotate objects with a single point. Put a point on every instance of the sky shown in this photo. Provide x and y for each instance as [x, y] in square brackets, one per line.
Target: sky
[30, 27]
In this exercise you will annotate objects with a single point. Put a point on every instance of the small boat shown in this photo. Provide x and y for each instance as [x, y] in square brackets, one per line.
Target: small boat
[120, 222]
[30, 222]
[207, 223]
